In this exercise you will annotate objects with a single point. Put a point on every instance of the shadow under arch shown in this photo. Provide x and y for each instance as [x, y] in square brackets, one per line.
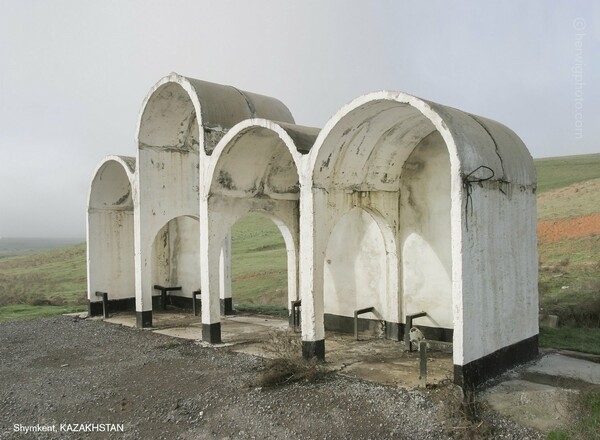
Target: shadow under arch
[110, 235]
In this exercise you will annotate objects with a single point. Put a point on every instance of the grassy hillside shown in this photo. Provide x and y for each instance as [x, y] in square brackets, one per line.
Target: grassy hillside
[560, 172]
[259, 262]
[11, 247]
[46, 282]
[54, 281]
[569, 249]
[569, 240]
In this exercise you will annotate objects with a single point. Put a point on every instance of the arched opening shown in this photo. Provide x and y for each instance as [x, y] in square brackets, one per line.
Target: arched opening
[176, 260]
[356, 275]
[387, 157]
[110, 241]
[254, 170]
[169, 120]
[263, 265]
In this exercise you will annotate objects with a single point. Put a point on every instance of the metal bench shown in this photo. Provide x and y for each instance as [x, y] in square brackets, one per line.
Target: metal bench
[163, 294]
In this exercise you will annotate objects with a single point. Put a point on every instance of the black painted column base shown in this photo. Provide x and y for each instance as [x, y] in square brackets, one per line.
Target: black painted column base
[227, 306]
[475, 373]
[211, 333]
[394, 331]
[143, 319]
[312, 349]
[95, 308]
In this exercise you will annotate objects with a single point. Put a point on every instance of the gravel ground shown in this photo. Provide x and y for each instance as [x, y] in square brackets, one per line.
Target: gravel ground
[64, 370]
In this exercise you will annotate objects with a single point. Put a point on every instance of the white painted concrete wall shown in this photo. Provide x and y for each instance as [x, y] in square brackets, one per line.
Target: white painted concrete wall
[355, 274]
[168, 182]
[176, 256]
[425, 233]
[111, 258]
[500, 304]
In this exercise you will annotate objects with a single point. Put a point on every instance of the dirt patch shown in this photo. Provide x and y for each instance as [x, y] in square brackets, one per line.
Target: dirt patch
[551, 231]
[541, 407]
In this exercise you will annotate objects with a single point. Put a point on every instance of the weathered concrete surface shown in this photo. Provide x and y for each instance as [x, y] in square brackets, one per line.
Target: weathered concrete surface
[110, 229]
[400, 204]
[453, 196]
[371, 359]
[558, 365]
[538, 406]
[542, 395]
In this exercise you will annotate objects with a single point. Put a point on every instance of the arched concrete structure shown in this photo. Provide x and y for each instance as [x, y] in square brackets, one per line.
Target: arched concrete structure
[427, 207]
[431, 172]
[110, 234]
[181, 121]
[253, 168]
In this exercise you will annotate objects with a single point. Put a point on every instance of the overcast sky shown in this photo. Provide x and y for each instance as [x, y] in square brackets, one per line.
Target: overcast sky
[73, 75]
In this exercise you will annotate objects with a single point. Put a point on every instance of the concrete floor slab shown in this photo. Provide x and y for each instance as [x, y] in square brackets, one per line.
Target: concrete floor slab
[371, 358]
[555, 364]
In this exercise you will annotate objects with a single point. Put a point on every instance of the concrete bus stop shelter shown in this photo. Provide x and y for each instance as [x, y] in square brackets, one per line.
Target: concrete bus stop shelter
[399, 207]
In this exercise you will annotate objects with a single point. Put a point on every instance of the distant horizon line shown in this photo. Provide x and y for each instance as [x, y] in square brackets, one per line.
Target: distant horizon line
[42, 238]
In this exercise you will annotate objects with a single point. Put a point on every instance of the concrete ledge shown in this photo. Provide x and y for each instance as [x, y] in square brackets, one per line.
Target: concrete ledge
[475, 373]
[345, 324]
[182, 302]
[393, 330]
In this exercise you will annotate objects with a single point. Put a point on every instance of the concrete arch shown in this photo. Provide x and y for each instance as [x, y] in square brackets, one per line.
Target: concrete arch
[360, 158]
[181, 121]
[254, 168]
[260, 138]
[176, 257]
[177, 106]
[110, 234]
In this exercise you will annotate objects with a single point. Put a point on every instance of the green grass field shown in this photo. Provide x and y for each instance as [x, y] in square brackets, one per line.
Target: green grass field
[43, 283]
[569, 279]
[259, 263]
[559, 172]
[53, 281]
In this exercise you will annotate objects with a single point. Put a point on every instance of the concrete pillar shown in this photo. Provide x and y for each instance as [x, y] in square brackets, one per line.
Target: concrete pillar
[225, 276]
[312, 251]
[143, 277]
[214, 227]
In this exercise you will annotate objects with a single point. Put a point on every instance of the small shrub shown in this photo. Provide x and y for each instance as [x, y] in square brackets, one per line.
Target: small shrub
[286, 364]
[460, 413]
